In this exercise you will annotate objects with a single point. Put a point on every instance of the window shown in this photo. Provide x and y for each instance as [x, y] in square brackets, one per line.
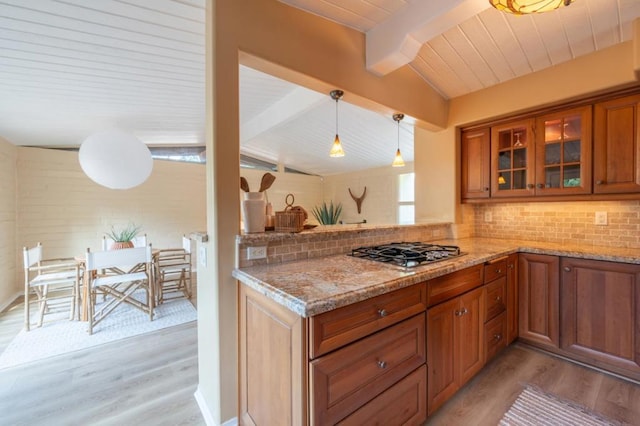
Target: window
[406, 199]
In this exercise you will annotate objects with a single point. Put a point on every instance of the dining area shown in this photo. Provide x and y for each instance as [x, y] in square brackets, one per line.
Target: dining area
[126, 269]
[106, 293]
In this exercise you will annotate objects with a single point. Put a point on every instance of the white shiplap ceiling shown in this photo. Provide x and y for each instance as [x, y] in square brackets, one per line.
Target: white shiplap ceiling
[71, 67]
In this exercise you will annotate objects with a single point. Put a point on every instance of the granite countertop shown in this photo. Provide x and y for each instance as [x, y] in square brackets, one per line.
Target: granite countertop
[311, 287]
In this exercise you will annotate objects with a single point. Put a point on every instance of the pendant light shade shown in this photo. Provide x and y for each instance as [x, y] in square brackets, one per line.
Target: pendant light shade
[398, 161]
[336, 149]
[523, 7]
[115, 159]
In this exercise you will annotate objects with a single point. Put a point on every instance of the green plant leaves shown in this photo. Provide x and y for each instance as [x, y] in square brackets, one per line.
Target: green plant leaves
[327, 215]
[124, 235]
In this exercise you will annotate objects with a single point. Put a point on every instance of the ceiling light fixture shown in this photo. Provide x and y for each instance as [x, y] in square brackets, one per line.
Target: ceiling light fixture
[398, 161]
[524, 7]
[336, 149]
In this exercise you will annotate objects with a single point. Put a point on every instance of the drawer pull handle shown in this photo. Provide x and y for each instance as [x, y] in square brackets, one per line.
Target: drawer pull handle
[498, 299]
[510, 266]
[382, 312]
[497, 337]
[462, 312]
[567, 269]
[498, 271]
[382, 364]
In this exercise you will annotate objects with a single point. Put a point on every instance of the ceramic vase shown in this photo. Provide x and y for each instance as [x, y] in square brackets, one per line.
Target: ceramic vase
[253, 211]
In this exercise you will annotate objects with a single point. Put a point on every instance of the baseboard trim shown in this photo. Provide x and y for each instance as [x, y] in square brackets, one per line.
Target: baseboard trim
[206, 413]
[10, 301]
[204, 409]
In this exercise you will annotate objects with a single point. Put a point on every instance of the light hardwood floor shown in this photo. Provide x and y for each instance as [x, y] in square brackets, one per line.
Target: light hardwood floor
[143, 380]
[150, 380]
[485, 399]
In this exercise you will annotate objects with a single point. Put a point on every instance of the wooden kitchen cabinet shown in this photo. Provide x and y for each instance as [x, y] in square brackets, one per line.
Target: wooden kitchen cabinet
[350, 377]
[563, 152]
[616, 145]
[539, 298]
[476, 165]
[455, 345]
[512, 297]
[495, 302]
[601, 314]
[330, 368]
[272, 361]
[512, 159]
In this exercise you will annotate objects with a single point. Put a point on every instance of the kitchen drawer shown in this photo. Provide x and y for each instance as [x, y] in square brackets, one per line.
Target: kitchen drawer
[454, 284]
[495, 269]
[495, 296]
[334, 329]
[346, 379]
[495, 332]
[405, 403]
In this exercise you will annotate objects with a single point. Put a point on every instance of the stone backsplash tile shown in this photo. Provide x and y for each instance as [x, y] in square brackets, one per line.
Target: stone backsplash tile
[559, 222]
[340, 240]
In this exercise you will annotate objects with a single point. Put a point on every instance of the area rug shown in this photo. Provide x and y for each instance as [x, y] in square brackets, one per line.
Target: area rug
[534, 407]
[59, 335]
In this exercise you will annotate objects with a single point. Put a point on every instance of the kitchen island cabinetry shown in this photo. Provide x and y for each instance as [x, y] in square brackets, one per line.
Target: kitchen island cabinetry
[455, 334]
[601, 314]
[539, 298]
[616, 167]
[336, 366]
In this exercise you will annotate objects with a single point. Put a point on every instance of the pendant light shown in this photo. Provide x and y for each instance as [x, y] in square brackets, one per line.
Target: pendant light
[336, 149]
[523, 7]
[398, 161]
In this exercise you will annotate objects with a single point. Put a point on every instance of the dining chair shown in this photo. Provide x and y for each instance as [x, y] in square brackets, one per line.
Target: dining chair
[134, 272]
[55, 282]
[173, 272]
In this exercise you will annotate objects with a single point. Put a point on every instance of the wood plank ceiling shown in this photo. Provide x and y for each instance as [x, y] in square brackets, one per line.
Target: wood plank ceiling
[71, 67]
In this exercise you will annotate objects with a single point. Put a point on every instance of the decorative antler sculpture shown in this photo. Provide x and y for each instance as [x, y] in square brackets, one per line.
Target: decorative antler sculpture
[358, 200]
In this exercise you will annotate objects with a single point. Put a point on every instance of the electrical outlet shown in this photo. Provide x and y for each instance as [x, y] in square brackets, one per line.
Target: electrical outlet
[488, 217]
[257, 252]
[202, 256]
[601, 218]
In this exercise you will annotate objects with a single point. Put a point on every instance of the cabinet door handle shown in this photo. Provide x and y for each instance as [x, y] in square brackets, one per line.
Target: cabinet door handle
[382, 313]
[498, 271]
[530, 186]
[540, 185]
[464, 311]
[382, 364]
[486, 189]
[567, 269]
[497, 337]
[599, 182]
[498, 298]
[458, 313]
[510, 266]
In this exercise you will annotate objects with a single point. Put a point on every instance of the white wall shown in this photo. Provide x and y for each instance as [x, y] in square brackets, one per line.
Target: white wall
[380, 203]
[60, 207]
[8, 253]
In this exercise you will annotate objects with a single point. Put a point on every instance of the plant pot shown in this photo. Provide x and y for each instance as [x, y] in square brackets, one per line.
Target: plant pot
[118, 245]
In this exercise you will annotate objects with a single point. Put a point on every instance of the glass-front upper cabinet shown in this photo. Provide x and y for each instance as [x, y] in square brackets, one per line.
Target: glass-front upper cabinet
[512, 159]
[563, 152]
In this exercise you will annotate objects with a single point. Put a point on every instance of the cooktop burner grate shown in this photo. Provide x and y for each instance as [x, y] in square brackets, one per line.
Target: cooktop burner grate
[407, 254]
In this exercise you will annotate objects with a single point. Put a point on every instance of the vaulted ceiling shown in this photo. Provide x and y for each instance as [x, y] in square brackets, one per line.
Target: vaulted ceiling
[71, 67]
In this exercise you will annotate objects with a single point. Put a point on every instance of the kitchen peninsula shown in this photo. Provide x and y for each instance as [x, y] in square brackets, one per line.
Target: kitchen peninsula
[338, 339]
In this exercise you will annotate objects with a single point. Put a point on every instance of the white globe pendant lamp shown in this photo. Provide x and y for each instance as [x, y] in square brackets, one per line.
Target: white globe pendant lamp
[115, 159]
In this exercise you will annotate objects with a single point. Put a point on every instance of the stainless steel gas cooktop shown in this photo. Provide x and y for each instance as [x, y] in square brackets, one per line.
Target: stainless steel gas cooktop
[407, 254]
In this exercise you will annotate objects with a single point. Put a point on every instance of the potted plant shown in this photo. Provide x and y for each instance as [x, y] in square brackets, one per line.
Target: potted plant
[123, 238]
[327, 215]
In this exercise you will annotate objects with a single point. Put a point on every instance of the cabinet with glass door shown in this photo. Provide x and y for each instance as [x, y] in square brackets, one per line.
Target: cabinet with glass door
[512, 155]
[563, 152]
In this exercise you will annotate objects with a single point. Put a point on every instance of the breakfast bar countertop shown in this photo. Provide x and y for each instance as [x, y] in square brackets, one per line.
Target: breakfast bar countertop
[311, 287]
